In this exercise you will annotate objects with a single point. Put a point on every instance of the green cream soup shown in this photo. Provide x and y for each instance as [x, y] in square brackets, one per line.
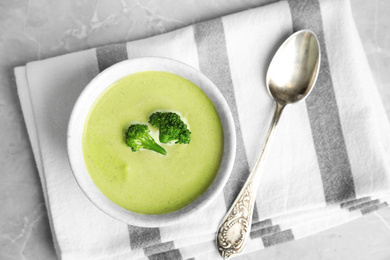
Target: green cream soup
[145, 181]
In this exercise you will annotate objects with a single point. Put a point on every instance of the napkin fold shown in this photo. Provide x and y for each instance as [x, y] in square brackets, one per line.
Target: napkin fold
[327, 165]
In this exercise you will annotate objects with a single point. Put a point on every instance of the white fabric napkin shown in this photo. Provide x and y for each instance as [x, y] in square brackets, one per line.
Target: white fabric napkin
[327, 165]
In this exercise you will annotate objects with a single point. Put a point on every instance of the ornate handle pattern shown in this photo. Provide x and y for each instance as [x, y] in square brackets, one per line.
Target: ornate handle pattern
[234, 229]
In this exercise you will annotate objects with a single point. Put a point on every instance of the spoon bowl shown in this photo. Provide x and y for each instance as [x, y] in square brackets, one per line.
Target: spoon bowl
[294, 68]
[290, 78]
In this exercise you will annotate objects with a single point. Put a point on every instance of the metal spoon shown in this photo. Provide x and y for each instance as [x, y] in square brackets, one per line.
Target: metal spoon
[290, 78]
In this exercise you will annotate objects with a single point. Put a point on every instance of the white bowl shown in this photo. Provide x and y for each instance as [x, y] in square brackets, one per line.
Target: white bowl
[79, 114]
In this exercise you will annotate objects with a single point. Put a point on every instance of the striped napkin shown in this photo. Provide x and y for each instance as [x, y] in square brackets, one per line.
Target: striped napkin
[328, 163]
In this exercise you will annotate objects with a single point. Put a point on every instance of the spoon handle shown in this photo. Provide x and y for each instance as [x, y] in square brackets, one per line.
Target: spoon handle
[234, 229]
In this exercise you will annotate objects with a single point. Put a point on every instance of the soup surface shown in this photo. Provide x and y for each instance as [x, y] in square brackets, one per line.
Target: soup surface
[145, 181]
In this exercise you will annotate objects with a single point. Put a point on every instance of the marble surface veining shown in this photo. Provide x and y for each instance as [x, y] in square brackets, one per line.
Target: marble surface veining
[38, 29]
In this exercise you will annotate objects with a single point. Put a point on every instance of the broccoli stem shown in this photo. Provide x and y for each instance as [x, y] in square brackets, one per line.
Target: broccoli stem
[164, 138]
[149, 143]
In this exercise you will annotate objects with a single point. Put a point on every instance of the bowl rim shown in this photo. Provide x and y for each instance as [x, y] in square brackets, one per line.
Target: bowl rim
[101, 83]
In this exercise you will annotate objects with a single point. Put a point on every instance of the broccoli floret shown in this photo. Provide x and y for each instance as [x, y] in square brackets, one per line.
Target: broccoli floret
[137, 137]
[171, 127]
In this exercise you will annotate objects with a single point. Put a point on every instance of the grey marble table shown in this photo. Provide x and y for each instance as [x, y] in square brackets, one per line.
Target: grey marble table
[38, 29]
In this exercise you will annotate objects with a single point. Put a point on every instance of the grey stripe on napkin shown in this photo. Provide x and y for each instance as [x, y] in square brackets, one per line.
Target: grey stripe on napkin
[264, 231]
[270, 234]
[323, 112]
[163, 251]
[367, 204]
[214, 63]
[140, 237]
[107, 56]
[351, 203]
[169, 255]
[110, 54]
[372, 208]
[156, 249]
[278, 238]
[262, 224]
